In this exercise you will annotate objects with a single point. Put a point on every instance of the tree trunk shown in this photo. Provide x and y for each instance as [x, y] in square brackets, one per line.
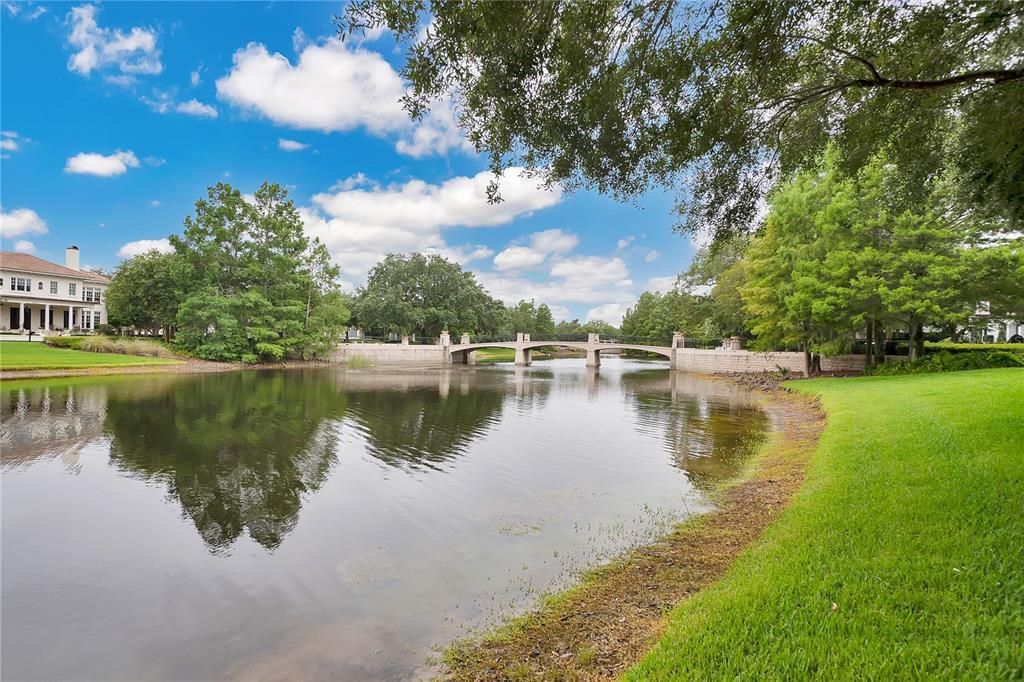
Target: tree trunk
[869, 344]
[916, 340]
[808, 367]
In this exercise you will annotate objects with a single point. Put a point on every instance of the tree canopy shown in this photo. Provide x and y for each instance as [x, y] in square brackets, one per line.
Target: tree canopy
[718, 101]
[244, 282]
[424, 295]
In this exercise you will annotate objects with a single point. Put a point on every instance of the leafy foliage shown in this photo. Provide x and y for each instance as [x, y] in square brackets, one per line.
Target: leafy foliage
[144, 292]
[944, 361]
[723, 98]
[253, 286]
[425, 295]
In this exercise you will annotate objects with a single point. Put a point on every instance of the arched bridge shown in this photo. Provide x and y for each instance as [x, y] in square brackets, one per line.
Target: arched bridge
[591, 344]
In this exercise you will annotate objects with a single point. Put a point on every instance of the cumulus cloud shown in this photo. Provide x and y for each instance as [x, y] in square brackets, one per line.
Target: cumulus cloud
[21, 221]
[104, 166]
[624, 242]
[662, 284]
[290, 145]
[334, 87]
[542, 245]
[651, 256]
[24, 246]
[9, 141]
[194, 107]
[360, 221]
[593, 270]
[610, 312]
[96, 48]
[144, 245]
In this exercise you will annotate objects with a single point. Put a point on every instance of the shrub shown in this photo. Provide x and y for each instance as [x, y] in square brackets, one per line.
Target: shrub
[105, 344]
[106, 329]
[945, 361]
[73, 342]
[970, 347]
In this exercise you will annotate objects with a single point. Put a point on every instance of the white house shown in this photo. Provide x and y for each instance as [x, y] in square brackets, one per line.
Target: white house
[43, 296]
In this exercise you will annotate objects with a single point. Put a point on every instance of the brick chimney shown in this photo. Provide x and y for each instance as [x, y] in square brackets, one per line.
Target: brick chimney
[71, 257]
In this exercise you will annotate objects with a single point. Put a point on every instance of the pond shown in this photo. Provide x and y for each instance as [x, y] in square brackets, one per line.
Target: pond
[332, 523]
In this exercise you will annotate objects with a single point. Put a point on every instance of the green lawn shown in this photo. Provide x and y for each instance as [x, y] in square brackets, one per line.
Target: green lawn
[489, 355]
[901, 557]
[32, 355]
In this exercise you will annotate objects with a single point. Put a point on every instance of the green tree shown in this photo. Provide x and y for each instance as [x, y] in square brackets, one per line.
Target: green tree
[144, 293]
[256, 288]
[418, 294]
[544, 321]
[723, 98]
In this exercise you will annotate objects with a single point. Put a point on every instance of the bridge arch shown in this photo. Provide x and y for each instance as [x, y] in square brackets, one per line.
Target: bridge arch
[460, 354]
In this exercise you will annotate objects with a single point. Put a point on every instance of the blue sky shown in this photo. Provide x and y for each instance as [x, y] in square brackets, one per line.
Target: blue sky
[117, 116]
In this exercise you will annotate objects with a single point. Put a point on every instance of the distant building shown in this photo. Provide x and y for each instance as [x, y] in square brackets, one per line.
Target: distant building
[43, 296]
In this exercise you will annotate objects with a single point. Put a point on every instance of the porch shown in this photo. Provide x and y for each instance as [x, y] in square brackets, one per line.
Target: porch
[46, 317]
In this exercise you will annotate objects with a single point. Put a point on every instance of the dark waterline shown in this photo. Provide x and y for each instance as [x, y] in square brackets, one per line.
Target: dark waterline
[331, 524]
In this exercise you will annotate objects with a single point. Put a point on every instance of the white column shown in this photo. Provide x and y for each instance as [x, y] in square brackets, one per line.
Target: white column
[46, 318]
[71, 317]
[21, 315]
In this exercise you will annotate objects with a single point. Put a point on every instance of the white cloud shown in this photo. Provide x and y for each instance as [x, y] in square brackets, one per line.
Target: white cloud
[194, 107]
[154, 161]
[10, 141]
[19, 222]
[196, 77]
[610, 312]
[162, 102]
[651, 256]
[335, 87]
[542, 245]
[143, 245]
[24, 246]
[15, 9]
[360, 221]
[662, 284]
[104, 166]
[155, 203]
[290, 145]
[624, 242]
[592, 270]
[96, 48]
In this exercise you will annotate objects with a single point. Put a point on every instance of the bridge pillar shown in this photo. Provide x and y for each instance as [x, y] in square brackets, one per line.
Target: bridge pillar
[593, 358]
[445, 340]
[523, 357]
[464, 340]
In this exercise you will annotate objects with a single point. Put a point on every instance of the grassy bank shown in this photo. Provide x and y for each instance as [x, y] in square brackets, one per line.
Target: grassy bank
[616, 613]
[899, 558]
[22, 355]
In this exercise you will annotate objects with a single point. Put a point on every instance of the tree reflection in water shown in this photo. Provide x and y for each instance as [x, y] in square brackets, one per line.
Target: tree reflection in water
[711, 427]
[239, 450]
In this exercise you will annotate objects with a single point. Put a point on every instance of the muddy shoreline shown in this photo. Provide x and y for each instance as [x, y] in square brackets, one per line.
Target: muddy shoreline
[603, 626]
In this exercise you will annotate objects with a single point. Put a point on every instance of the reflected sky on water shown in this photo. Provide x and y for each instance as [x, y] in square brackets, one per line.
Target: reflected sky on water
[330, 523]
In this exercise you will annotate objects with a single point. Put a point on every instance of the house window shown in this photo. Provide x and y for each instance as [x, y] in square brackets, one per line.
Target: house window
[72, 289]
[53, 287]
[40, 285]
[95, 319]
[21, 284]
[91, 294]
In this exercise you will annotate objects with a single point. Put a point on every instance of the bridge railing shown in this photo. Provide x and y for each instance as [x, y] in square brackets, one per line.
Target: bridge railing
[665, 341]
[494, 338]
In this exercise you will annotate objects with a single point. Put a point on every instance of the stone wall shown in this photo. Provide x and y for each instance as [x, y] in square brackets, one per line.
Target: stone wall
[390, 354]
[745, 361]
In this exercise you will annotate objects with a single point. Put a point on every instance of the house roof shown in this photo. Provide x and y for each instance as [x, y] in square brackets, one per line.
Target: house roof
[23, 262]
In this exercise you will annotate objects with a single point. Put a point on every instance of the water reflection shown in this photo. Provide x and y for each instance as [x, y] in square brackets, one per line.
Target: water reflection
[330, 523]
[710, 427]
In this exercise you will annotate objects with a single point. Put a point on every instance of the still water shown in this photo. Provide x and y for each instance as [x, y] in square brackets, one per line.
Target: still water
[331, 523]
